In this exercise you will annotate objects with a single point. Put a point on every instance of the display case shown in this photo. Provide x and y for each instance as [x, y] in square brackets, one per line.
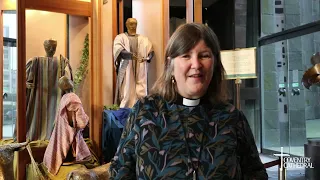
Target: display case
[68, 22]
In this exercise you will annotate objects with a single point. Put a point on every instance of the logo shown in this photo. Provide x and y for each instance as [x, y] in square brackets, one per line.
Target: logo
[287, 162]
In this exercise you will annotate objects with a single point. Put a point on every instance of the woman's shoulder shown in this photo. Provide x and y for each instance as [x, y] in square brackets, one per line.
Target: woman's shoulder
[229, 111]
[150, 103]
[148, 108]
[225, 107]
[153, 99]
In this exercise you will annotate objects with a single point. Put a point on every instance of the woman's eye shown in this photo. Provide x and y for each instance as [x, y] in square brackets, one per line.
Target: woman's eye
[185, 56]
[205, 56]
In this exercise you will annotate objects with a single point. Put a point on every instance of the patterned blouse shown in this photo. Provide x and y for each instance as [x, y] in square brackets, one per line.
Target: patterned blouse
[170, 141]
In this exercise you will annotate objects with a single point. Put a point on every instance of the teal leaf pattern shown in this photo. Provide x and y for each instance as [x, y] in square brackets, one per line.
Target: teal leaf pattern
[153, 144]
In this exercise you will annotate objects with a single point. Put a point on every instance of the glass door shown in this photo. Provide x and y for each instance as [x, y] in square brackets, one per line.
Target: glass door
[290, 112]
[275, 97]
[304, 106]
[289, 36]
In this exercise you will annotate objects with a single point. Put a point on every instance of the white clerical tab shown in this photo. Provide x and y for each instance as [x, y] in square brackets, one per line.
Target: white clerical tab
[190, 102]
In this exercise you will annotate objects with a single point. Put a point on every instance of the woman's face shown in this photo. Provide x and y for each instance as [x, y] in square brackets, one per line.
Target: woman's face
[193, 71]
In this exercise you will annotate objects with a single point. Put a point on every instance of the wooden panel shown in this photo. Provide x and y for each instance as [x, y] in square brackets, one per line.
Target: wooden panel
[71, 7]
[121, 28]
[21, 85]
[1, 71]
[96, 76]
[109, 31]
[189, 9]
[21, 72]
[8, 4]
[198, 11]
[114, 34]
[114, 19]
[166, 23]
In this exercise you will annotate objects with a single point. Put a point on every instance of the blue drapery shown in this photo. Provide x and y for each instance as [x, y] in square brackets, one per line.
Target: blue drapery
[113, 123]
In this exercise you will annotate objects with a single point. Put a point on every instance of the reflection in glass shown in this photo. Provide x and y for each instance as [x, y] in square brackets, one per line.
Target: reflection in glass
[218, 15]
[9, 73]
[274, 97]
[281, 15]
[304, 107]
[177, 13]
[289, 118]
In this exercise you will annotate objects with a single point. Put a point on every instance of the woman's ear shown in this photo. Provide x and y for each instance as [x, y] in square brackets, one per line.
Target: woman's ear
[168, 61]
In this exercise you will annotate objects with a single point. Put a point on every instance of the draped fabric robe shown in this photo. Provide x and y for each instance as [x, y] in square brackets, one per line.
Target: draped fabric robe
[65, 136]
[43, 94]
[132, 80]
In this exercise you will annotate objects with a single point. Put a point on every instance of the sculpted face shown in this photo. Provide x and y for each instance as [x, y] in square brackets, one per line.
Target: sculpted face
[131, 25]
[193, 71]
[50, 47]
[65, 84]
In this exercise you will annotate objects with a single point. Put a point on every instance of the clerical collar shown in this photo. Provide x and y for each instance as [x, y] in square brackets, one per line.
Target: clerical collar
[187, 102]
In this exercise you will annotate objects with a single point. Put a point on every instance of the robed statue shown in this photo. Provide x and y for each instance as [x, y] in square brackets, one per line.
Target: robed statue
[43, 94]
[67, 142]
[132, 52]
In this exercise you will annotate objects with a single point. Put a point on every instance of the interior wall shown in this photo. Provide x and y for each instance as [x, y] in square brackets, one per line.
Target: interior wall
[107, 55]
[150, 24]
[78, 29]
[8, 4]
[43, 25]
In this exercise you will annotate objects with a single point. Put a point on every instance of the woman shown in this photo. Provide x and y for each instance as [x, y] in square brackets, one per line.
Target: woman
[186, 129]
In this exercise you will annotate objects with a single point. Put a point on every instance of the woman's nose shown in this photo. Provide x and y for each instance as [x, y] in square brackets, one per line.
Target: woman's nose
[196, 62]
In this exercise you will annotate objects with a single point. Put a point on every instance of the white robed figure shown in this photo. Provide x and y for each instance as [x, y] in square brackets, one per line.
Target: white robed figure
[132, 53]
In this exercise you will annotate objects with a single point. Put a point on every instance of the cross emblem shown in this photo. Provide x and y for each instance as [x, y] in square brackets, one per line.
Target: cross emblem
[282, 169]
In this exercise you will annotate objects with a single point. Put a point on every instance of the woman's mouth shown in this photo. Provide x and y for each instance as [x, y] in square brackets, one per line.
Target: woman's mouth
[195, 76]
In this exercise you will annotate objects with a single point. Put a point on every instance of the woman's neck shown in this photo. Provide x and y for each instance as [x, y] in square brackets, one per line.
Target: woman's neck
[187, 101]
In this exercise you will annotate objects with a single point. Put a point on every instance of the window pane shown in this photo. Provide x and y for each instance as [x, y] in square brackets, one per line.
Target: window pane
[304, 107]
[9, 76]
[10, 88]
[273, 73]
[281, 15]
[290, 111]
[9, 24]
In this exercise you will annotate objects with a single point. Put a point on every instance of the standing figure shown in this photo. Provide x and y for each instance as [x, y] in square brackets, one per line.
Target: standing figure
[132, 53]
[43, 94]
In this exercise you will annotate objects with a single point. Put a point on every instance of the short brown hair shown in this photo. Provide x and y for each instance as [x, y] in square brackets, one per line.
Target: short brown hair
[182, 41]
